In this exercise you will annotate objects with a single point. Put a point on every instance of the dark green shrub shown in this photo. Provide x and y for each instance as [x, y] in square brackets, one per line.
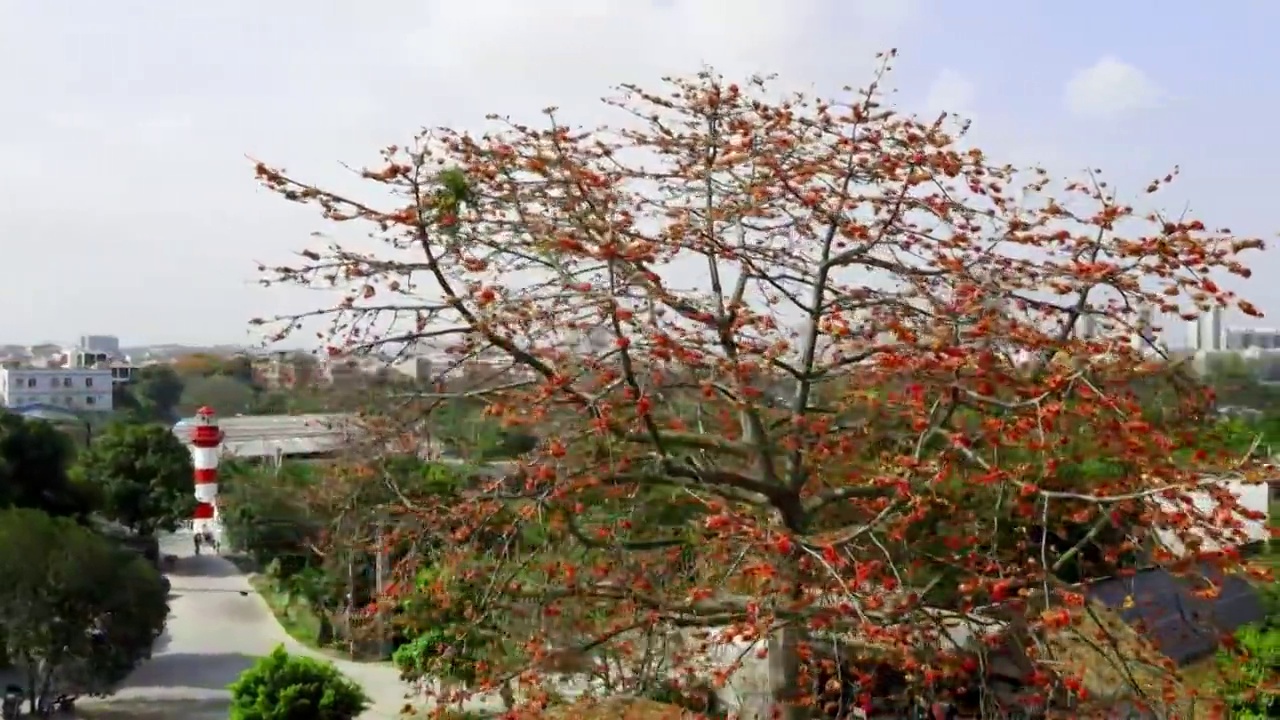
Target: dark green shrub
[1251, 670]
[281, 686]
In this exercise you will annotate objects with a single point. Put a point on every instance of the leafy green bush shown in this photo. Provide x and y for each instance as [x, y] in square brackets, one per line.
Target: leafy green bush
[1251, 670]
[441, 652]
[445, 639]
[281, 686]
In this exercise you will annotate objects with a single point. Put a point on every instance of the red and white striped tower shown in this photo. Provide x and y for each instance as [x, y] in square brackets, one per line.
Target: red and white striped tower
[205, 439]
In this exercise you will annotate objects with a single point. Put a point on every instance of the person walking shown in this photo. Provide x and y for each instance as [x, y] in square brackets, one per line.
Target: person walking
[198, 538]
[211, 541]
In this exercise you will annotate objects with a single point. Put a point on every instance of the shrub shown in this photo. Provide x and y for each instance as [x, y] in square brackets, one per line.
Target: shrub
[281, 686]
[1251, 669]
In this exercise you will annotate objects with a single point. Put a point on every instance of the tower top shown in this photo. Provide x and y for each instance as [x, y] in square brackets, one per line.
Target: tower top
[205, 416]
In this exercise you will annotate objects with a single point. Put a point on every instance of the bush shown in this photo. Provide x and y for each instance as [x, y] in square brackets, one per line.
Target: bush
[446, 635]
[281, 686]
[1251, 669]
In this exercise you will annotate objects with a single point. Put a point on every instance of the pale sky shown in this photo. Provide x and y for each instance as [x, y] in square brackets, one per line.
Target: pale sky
[129, 208]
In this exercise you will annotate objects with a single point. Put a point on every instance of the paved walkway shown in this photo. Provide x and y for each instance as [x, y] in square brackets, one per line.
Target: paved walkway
[218, 626]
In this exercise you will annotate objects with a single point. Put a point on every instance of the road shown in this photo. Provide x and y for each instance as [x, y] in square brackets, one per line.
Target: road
[217, 627]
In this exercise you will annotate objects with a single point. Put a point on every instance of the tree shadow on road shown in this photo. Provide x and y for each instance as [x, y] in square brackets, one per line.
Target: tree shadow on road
[202, 566]
[225, 591]
[213, 671]
[161, 643]
[155, 710]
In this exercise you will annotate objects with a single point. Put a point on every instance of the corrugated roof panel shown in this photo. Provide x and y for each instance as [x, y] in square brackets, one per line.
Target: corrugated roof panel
[1183, 626]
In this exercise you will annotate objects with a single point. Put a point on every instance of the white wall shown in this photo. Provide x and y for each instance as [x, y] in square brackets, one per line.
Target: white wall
[1254, 497]
[76, 389]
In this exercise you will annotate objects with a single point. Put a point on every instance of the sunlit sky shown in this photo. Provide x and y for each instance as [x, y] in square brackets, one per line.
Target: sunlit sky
[129, 206]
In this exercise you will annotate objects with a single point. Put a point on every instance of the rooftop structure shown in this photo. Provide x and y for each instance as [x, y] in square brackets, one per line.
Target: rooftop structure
[266, 436]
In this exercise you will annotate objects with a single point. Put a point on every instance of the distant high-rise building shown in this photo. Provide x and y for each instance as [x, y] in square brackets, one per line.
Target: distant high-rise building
[104, 344]
[1253, 339]
[100, 351]
[1208, 333]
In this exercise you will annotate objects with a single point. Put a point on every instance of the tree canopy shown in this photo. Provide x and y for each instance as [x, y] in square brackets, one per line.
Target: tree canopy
[223, 392]
[34, 456]
[801, 369]
[77, 611]
[142, 474]
[158, 390]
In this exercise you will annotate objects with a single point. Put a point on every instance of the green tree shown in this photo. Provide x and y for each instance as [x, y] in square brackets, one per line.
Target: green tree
[222, 393]
[143, 476]
[462, 426]
[124, 402]
[77, 611]
[239, 367]
[281, 686]
[265, 515]
[158, 390]
[34, 457]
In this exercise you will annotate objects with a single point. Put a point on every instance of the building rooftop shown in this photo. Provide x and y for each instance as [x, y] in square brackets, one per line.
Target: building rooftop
[44, 411]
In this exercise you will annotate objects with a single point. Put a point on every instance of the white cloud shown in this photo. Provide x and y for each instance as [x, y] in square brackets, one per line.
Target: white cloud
[1110, 88]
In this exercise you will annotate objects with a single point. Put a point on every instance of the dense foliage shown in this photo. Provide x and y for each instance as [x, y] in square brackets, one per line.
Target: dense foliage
[1251, 665]
[801, 369]
[141, 474]
[77, 610]
[281, 686]
[34, 458]
[313, 529]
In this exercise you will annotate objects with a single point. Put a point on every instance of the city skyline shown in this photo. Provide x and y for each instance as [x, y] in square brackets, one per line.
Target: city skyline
[156, 108]
[1173, 332]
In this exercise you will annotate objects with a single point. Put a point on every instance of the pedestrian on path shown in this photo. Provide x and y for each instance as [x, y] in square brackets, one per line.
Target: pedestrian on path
[211, 541]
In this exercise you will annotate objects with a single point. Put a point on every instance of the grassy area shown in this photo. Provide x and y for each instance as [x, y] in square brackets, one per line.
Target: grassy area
[294, 615]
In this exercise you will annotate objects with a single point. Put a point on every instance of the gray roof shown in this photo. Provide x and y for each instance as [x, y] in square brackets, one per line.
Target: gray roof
[267, 435]
[269, 447]
[250, 436]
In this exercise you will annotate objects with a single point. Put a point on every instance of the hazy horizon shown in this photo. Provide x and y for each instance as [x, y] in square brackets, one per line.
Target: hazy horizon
[131, 207]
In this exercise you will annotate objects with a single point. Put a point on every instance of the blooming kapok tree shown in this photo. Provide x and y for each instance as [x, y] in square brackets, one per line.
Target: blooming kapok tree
[801, 369]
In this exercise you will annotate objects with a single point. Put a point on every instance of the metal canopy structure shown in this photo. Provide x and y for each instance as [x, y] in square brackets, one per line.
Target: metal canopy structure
[1167, 610]
[44, 411]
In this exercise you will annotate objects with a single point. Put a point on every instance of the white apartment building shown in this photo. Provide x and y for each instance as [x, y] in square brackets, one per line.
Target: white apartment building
[80, 389]
[100, 351]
